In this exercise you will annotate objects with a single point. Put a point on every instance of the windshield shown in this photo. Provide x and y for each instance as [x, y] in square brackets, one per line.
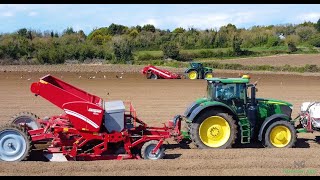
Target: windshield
[209, 91]
[225, 92]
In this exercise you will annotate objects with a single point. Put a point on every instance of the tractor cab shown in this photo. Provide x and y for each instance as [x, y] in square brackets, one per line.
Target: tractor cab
[230, 91]
[196, 65]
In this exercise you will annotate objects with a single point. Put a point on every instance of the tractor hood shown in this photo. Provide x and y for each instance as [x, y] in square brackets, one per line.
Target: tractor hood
[273, 101]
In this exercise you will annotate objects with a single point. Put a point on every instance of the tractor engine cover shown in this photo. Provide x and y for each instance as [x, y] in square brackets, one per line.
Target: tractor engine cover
[114, 116]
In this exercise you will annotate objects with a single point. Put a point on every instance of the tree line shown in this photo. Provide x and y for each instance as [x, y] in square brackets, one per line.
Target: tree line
[118, 43]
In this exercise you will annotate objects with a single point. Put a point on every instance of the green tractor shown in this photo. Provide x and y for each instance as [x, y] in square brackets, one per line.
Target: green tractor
[197, 71]
[228, 115]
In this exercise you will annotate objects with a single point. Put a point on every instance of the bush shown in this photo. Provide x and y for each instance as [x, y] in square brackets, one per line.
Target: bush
[42, 56]
[122, 50]
[315, 41]
[273, 41]
[108, 56]
[292, 47]
[1, 54]
[56, 56]
[170, 50]
[148, 56]
[311, 68]
[186, 56]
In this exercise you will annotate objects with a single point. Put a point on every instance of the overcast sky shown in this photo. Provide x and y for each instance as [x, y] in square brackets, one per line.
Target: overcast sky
[164, 16]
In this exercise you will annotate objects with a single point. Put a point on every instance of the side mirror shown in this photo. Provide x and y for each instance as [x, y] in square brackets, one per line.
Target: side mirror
[256, 89]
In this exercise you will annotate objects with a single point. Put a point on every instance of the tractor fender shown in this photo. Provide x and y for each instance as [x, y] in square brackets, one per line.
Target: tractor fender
[203, 108]
[206, 70]
[190, 108]
[268, 120]
[190, 69]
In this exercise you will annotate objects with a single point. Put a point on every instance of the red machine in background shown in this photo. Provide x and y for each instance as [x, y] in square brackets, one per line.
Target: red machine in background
[90, 128]
[153, 72]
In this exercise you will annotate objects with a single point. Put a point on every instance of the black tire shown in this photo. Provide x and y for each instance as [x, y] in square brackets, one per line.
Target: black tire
[148, 147]
[267, 142]
[194, 131]
[26, 137]
[29, 118]
[153, 76]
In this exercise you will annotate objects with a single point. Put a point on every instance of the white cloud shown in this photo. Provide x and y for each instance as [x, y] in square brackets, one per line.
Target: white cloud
[313, 16]
[212, 20]
[7, 14]
[32, 13]
[154, 22]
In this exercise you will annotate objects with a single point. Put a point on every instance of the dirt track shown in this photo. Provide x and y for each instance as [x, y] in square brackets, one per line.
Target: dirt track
[157, 101]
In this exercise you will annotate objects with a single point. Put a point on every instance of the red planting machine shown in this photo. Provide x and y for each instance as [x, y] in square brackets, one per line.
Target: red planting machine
[153, 72]
[89, 129]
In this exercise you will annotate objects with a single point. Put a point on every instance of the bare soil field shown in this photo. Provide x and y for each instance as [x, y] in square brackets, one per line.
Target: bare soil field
[157, 101]
[278, 60]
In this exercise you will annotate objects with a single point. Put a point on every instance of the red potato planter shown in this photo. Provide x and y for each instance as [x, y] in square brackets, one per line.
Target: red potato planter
[153, 72]
[89, 129]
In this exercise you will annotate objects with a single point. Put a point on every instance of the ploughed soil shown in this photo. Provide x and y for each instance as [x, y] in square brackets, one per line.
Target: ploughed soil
[278, 60]
[156, 102]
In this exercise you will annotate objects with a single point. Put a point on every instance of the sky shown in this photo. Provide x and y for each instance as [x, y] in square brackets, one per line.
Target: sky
[87, 17]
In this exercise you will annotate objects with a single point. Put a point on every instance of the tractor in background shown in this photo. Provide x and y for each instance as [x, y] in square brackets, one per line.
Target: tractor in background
[197, 71]
[194, 71]
[232, 113]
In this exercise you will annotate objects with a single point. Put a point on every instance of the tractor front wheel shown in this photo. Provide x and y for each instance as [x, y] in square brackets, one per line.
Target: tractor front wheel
[208, 75]
[146, 150]
[280, 134]
[192, 75]
[15, 143]
[214, 130]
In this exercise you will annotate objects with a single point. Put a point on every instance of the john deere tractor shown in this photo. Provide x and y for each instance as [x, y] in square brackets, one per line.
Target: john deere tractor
[197, 71]
[231, 113]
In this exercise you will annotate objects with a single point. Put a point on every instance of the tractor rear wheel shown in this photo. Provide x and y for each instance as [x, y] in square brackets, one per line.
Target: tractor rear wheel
[27, 118]
[15, 143]
[214, 130]
[193, 74]
[280, 134]
[146, 150]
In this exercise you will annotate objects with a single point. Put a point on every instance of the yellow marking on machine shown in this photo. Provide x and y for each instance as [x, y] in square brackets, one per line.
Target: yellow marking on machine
[43, 82]
[85, 129]
[65, 129]
[95, 133]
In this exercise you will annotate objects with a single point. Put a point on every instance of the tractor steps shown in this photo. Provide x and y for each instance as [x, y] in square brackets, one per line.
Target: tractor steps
[245, 130]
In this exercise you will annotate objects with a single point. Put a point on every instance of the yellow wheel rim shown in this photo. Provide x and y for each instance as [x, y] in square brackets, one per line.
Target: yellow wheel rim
[214, 131]
[280, 136]
[209, 75]
[192, 75]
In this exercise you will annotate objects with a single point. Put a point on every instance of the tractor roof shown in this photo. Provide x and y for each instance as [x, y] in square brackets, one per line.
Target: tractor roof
[229, 80]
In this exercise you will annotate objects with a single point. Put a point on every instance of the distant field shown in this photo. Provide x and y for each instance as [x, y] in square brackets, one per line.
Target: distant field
[159, 53]
[277, 60]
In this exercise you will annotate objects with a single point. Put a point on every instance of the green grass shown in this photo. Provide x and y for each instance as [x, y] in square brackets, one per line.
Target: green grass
[153, 53]
[275, 48]
[223, 53]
